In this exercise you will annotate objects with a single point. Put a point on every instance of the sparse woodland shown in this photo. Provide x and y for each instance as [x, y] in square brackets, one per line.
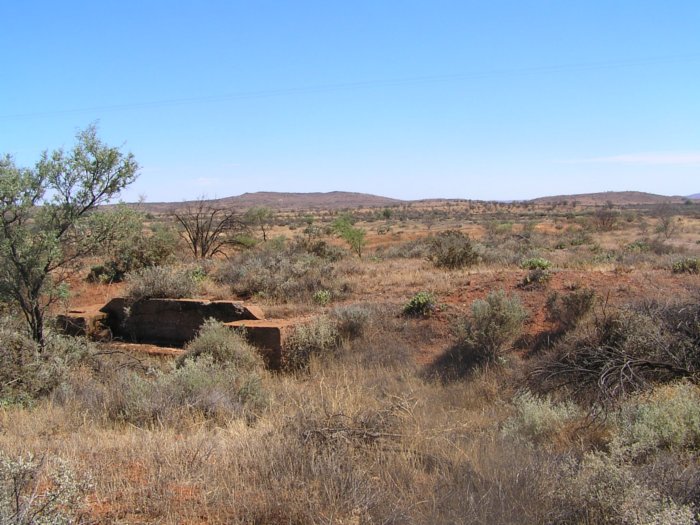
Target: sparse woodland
[479, 363]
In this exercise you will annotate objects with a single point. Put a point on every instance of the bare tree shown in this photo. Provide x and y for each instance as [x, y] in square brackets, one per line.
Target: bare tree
[605, 218]
[207, 228]
[668, 224]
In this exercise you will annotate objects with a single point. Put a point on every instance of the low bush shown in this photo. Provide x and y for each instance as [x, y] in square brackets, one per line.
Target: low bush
[26, 373]
[537, 419]
[414, 249]
[654, 246]
[536, 278]
[319, 337]
[322, 297]
[352, 320]
[452, 249]
[318, 247]
[599, 489]
[134, 249]
[35, 491]
[285, 274]
[668, 419]
[495, 323]
[163, 282]
[624, 351]
[421, 304]
[567, 310]
[686, 265]
[225, 346]
[198, 389]
[536, 263]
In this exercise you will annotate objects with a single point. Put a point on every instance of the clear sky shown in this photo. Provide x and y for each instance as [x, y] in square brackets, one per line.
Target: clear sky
[409, 99]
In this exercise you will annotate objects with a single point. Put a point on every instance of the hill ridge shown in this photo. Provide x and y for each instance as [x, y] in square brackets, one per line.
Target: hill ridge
[616, 197]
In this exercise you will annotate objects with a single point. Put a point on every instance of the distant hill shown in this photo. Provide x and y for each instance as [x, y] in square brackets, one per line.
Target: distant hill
[694, 196]
[616, 197]
[287, 201]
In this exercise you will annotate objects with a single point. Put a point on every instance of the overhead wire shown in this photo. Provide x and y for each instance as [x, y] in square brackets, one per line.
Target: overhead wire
[366, 84]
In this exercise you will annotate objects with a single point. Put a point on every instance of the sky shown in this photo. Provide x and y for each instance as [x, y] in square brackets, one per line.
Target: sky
[491, 99]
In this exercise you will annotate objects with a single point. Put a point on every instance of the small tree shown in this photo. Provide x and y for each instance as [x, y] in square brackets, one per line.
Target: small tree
[207, 229]
[260, 217]
[47, 221]
[355, 237]
[667, 225]
[605, 218]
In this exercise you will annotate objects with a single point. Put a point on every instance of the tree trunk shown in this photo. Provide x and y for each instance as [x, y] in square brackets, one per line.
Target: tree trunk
[37, 326]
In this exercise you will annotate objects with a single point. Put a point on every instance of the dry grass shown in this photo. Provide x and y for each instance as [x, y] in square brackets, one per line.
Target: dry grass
[364, 434]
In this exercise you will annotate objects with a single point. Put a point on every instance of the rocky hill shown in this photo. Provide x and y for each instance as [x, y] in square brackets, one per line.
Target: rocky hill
[287, 201]
[616, 197]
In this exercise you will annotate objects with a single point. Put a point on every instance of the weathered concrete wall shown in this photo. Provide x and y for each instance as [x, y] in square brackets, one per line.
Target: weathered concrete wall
[170, 321]
[177, 321]
[270, 336]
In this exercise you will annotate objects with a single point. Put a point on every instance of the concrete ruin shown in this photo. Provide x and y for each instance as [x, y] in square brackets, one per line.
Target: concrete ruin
[174, 322]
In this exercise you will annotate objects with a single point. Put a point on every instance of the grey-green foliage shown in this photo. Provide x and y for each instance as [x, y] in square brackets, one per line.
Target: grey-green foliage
[220, 377]
[224, 345]
[669, 419]
[601, 489]
[538, 418]
[39, 491]
[318, 337]
[162, 282]
[282, 273]
[27, 374]
[452, 249]
[132, 248]
[495, 323]
[686, 265]
[45, 219]
[198, 388]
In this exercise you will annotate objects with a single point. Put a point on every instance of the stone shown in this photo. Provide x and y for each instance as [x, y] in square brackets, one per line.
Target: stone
[89, 321]
[171, 321]
[269, 336]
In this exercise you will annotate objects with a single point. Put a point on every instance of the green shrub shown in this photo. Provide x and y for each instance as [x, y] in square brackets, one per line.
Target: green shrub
[225, 347]
[599, 489]
[322, 297]
[421, 304]
[352, 320]
[669, 419]
[27, 374]
[536, 263]
[162, 282]
[495, 323]
[536, 278]
[686, 265]
[37, 491]
[452, 249]
[285, 274]
[538, 418]
[414, 249]
[638, 246]
[319, 337]
[134, 249]
[567, 310]
[199, 388]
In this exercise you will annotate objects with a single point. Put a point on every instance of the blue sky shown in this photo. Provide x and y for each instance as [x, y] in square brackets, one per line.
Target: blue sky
[408, 99]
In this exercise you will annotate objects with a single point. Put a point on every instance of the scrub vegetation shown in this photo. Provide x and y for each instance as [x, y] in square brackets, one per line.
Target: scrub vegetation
[461, 362]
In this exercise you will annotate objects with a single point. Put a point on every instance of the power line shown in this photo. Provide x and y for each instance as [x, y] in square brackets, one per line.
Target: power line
[348, 86]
